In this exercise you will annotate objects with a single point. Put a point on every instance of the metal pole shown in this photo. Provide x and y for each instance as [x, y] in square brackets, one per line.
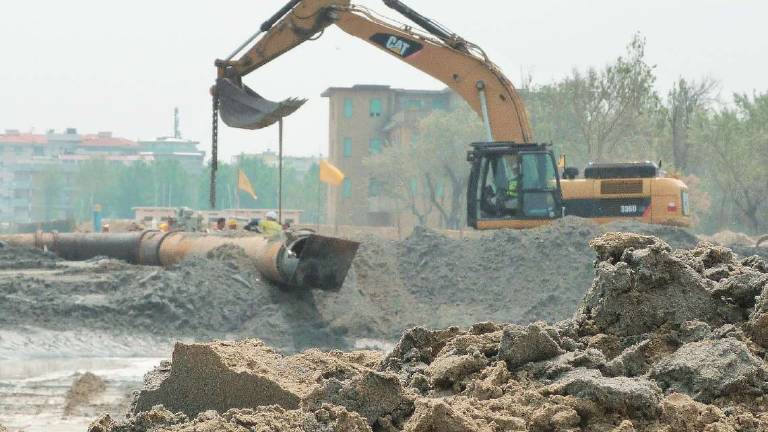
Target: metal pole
[280, 173]
[319, 196]
[484, 105]
[214, 150]
[243, 45]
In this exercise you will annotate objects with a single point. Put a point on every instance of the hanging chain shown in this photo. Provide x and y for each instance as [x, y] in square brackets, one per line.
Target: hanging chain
[214, 147]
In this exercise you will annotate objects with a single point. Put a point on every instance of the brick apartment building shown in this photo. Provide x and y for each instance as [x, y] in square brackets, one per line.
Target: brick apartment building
[24, 156]
[364, 119]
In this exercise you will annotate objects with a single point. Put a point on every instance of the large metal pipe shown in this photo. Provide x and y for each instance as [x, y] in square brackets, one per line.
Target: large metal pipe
[303, 259]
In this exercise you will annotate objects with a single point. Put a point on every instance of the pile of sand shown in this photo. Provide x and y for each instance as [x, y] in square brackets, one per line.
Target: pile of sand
[85, 388]
[663, 340]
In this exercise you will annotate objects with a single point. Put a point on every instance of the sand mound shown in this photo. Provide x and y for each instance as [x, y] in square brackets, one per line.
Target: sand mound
[427, 280]
[690, 363]
[730, 239]
[85, 388]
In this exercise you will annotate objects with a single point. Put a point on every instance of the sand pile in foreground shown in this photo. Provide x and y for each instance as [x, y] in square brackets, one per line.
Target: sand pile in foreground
[663, 340]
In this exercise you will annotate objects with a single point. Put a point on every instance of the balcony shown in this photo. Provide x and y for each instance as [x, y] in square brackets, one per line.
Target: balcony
[21, 184]
[20, 202]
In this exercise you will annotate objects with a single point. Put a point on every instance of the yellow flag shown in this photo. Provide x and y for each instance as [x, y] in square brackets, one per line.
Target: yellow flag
[330, 174]
[244, 184]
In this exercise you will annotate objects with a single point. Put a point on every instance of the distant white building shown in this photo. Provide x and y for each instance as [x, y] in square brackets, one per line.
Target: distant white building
[178, 149]
[23, 156]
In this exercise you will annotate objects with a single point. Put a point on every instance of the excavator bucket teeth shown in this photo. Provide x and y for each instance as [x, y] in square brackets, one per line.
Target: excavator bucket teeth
[324, 262]
[241, 107]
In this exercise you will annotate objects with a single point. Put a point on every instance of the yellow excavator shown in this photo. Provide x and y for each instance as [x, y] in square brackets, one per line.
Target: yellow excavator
[514, 182]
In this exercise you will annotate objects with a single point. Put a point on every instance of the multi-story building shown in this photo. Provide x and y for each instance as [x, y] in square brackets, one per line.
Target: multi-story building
[364, 119]
[175, 148]
[26, 157]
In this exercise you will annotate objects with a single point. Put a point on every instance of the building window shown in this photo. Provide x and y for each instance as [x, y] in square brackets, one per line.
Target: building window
[348, 108]
[374, 146]
[374, 188]
[415, 137]
[413, 104]
[346, 188]
[439, 104]
[376, 107]
[347, 147]
[414, 186]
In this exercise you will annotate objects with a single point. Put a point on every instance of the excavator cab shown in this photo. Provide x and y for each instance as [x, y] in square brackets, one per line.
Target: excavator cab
[512, 186]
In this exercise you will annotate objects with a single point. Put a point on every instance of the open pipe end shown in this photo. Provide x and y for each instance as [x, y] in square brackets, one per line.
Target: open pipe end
[240, 107]
[317, 262]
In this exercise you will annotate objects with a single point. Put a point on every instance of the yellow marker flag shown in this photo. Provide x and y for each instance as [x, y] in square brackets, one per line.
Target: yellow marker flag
[244, 184]
[330, 174]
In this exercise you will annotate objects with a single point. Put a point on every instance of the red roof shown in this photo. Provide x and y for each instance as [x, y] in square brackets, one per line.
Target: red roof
[23, 139]
[92, 140]
[106, 141]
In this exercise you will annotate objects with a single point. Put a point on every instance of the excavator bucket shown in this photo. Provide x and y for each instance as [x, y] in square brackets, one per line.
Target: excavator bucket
[241, 107]
[323, 262]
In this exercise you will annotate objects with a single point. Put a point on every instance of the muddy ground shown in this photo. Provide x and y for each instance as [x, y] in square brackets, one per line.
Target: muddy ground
[426, 279]
[105, 308]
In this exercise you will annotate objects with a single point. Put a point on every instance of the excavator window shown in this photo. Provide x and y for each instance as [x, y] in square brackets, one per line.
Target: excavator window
[515, 185]
[538, 185]
[499, 194]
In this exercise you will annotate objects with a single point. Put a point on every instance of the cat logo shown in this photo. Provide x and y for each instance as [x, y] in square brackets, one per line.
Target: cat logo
[397, 45]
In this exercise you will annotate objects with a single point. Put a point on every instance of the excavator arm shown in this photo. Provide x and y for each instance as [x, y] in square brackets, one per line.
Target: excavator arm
[459, 64]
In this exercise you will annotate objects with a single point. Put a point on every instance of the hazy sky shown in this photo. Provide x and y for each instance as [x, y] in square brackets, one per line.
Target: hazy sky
[122, 66]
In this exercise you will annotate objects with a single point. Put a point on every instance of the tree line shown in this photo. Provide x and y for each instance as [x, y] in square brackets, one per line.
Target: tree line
[118, 188]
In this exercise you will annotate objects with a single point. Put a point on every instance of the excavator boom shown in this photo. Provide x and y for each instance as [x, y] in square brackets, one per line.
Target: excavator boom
[460, 65]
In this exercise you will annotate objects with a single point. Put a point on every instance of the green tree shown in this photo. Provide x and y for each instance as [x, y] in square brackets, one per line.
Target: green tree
[609, 105]
[736, 139]
[400, 174]
[687, 107]
[445, 139]
[431, 173]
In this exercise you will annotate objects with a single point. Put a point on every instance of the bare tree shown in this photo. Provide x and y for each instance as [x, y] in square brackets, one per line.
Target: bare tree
[687, 103]
[737, 138]
[609, 103]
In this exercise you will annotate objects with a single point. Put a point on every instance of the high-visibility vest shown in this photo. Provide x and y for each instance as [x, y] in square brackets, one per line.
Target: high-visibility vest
[512, 187]
[270, 227]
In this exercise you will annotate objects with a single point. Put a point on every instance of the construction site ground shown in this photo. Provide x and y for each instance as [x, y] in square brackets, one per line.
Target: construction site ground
[61, 320]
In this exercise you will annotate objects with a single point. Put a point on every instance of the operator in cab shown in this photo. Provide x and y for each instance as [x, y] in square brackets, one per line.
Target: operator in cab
[500, 195]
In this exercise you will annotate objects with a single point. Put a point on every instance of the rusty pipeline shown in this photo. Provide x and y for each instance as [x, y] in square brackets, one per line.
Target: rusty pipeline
[302, 260]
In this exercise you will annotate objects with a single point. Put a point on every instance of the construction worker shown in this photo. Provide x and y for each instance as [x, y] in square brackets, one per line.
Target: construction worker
[105, 228]
[164, 227]
[510, 202]
[221, 224]
[269, 226]
[232, 225]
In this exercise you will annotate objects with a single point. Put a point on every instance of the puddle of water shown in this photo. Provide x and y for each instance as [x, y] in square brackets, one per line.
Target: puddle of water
[32, 391]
